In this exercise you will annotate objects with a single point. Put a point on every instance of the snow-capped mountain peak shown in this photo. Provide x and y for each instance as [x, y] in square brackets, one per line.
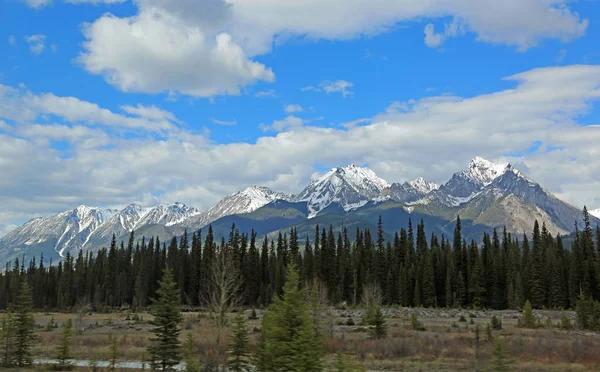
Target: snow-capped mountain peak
[484, 171]
[166, 214]
[350, 186]
[595, 213]
[240, 202]
[423, 186]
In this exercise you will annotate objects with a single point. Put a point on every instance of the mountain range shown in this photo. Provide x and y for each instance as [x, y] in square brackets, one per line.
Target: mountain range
[486, 195]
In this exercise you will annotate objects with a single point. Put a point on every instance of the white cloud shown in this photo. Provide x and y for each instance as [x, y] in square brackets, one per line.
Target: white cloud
[519, 23]
[177, 57]
[338, 86]
[204, 48]
[12, 40]
[94, 2]
[288, 123]
[453, 29]
[429, 137]
[292, 108]
[229, 123]
[36, 43]
[266, 93]
[36, 4]
[24, 106]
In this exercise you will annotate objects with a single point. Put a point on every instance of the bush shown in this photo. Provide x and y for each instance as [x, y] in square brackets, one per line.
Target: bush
[496, 323]
[350, 322]
[471, 321]
[253, 315]
[565, 322]
[489, 333]
[588, 314]
[415, 323]
[528, 320]
[462, 319]
[379, 329]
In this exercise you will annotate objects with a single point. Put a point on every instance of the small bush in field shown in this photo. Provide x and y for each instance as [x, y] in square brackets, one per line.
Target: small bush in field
[454, 325]
[471, 321]
[496, 323]
[253, 315]
[415, 323]
[565, 322]
[528, 319]
[462, 319]
[350, 322]
[488, 332]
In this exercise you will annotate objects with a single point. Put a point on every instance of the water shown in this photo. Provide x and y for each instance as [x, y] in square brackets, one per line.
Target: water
[135, 364]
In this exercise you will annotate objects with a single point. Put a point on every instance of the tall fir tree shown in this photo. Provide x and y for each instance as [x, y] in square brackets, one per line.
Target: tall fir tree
[165, 347]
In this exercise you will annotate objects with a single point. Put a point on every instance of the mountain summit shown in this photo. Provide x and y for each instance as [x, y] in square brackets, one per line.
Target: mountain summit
[485, 194]
[351, 187]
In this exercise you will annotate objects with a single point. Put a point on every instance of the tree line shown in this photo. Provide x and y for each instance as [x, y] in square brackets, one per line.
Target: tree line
[413, 269]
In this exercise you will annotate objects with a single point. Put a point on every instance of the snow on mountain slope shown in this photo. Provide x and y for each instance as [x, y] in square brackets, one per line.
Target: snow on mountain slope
[167, 215]
[351, 187]
[245, 201]
[484, 171]
[423, 186]
[60, 230]
[466, 184]
[595, 213]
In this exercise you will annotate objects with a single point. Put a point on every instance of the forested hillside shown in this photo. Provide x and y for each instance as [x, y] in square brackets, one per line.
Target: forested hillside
[411, 269]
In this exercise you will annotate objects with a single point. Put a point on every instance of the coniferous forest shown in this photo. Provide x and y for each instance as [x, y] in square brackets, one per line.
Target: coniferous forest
[414, 269]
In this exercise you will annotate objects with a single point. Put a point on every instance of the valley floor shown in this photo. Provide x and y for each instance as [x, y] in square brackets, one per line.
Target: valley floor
[447, 344]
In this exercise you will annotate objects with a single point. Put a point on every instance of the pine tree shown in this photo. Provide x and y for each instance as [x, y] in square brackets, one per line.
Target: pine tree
[23, 327]
[192, 363]
[238, 349]
[528, 319]
[537, 287]
[501, 361]
[166, 348]
[288, 340]
[63, 354]
[379, 329]
[114, 351]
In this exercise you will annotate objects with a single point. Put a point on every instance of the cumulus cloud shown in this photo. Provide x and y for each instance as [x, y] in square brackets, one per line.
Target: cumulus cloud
[337, 86]
[204, 48]
[292, 108]
[178, 57]
[453, 29]
[94, 2]
[36, 4]
[429, 137]
[227, 123]
[36, 43]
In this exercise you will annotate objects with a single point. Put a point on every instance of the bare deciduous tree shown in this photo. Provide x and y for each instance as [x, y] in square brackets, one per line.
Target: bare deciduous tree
[224, 291]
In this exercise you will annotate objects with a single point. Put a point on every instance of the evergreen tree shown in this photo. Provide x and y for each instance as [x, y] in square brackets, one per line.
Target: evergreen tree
[238, 349]
[288, 339]
[537, 287]
[23, 327]
[63, 352]
[379, 329]
[166, 348]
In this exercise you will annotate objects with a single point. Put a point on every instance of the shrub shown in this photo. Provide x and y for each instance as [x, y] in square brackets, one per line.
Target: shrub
[471, 321]
[488, 332]
[253, 315]
[415, 323]
[588, 314]
[528, 320]
[496, 323]
[565, 322]
[379, 329]
[350, 322]
[462, 319]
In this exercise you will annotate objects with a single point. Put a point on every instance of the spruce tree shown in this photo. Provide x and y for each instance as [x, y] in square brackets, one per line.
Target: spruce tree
[238, 349]
[165, 348]
[379, 329]
[23, 327]
[63, 354]
[288, 339]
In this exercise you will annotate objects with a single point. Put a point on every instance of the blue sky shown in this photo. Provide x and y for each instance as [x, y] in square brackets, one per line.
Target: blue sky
[211, 79]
